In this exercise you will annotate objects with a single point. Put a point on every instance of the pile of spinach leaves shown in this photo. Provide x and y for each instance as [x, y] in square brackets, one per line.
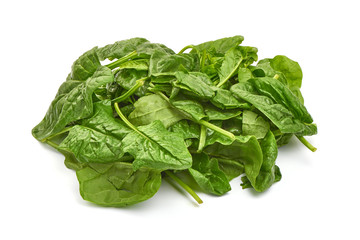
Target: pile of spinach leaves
[211, 115]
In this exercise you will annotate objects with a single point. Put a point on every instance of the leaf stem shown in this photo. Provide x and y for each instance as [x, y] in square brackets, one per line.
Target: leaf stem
[184, 186]
[201, 122]
[202, 139]
[307, 144]
[229, 76]
[185, 48]
[118, 62]
[54, 145]
[131, 91]
[129, 124]
[217, 129]
[57, 134]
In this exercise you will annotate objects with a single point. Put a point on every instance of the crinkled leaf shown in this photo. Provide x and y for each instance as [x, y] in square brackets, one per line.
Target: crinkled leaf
[97, 139]
[190, 109]
[120, 48]
[219, 46]
[208, 176]
[195, 82]
[74, 105]
[117, 184]
[85, 66]
[127, 78]
[224, 99]
[140, 65]
[214, 113]
[187, 129]
[173, 63]
[155, 147]
[274, 105]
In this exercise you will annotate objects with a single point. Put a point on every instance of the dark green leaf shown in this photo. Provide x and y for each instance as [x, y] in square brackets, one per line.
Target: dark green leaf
[74, 105]
[208, 175]
[151, 108]
[127, 78]
[220, 46]
[224, 99]
[117, 184]
[245, 149]
[187, 129]
[97, 139]
[254, 124]
[218, 114]
[120, 49]
[282, 108]
[155, 147]
[85, 66]
[266, 175]
[195, 82]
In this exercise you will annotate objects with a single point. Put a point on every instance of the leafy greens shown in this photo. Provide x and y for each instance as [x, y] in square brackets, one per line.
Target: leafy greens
[209, 115]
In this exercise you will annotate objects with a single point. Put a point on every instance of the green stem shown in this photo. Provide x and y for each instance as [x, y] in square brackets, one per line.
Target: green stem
[54, 145]
[184, 186]
[202, 60]
[121, 60]
[202, 138]
[131, 91]
[185, 48]
[229, 76]
[307, 144]
[276, 76]
[202, 122]
[217, 129]
[57, 134]
[129, 124]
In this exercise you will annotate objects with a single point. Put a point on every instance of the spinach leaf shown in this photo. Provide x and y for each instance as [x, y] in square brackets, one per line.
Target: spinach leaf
[117, 184]
[127, 78]
[218, 114]
[198, 83]
[288, 70]
[220, 46]
[120, 48]
[254, 124]
[209, 114]
[276, 105]
[233, 59]
[155, 147]
[187, 129]
[189, 108]
[207, 174]
[231, 167]
[140, 65]
[151, 108]
[74, 105]
[245, 149]
[266, 175]
[85, 66]
[97, 139]
[224, 99]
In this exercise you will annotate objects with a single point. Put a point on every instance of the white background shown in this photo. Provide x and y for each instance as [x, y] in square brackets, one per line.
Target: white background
[318, 197]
